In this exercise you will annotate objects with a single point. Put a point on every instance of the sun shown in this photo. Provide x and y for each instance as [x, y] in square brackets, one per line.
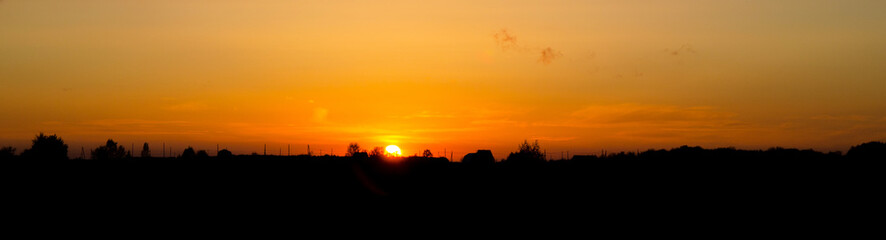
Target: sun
[393, 150]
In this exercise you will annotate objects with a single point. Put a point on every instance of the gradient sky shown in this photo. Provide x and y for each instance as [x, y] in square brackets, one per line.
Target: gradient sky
[459, 75]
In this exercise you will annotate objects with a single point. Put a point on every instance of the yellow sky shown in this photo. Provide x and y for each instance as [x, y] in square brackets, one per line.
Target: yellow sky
[619, 75]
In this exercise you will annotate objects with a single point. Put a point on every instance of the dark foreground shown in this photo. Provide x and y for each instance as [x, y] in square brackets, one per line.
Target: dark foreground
[676, 183]
[282, 179]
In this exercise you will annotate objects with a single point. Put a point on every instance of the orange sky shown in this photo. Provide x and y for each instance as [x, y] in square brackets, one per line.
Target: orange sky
[578, 76]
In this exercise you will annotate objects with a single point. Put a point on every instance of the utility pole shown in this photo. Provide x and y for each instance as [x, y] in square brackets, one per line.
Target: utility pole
[266, 150]
[164, 149]
[309, 149]
[288, 150]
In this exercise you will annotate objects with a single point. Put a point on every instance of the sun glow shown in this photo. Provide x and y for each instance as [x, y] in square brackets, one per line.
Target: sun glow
[393, 150]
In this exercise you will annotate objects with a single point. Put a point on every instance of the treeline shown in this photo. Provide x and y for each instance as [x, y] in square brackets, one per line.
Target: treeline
[675, 176]
[53, 148]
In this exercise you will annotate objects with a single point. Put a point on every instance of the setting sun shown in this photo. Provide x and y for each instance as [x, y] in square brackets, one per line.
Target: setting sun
[452, 77]
[285, 104]
[393, 150]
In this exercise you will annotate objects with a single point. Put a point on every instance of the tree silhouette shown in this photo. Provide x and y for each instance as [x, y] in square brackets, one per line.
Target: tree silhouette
[377, 152]
[189, 153]
[7, 153]
[427, 153]
[868, 151]
[353, 148]
[225, 154]
[146, 152]
[110, 151]
[527, 153]
[47, 148]
[202, 154]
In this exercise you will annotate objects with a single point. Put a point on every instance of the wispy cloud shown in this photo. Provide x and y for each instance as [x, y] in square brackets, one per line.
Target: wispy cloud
[320, 114]
[857, 118]
[505, 40]
[553, 139]
[684, 49]
[508, 41]
[126, 127]
[500, 123]
[425, 114]
[846, 126]
[632, 113]
[188, 107]
[647, 121]
[131, 122]
[548, 55]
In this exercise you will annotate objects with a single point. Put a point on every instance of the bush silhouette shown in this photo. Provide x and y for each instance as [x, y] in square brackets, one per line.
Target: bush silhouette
[7, 153]
[110, 151]
[527, 154]
[189, 153]
[427, 153]
[202, 154]
[225, 154]
[48, 148]
[868, 151]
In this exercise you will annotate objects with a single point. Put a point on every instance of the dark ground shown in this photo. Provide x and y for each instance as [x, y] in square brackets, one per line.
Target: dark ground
[679, 183]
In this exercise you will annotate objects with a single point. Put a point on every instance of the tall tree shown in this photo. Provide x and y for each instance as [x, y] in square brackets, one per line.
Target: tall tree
[353, 148]
[146, 151]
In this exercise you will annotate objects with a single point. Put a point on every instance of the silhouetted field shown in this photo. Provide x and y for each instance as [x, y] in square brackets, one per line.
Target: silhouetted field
[686, 176]
[676, 186]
